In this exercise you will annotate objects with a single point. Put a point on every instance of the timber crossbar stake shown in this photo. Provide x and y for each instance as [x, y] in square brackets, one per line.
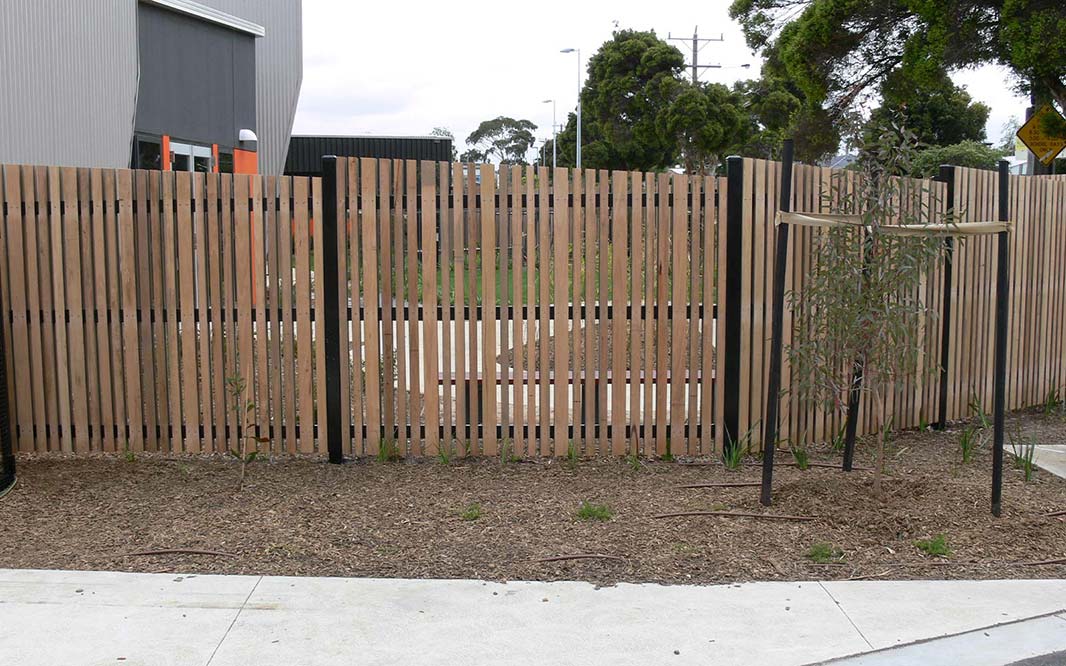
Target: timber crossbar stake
[785, 218]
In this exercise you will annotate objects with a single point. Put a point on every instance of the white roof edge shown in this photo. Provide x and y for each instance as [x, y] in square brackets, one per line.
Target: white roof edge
[371, 136]
[211, 14]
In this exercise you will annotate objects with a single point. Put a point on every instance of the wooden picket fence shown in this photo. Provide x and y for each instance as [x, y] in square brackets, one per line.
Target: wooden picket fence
[134, 295]
[484, 310]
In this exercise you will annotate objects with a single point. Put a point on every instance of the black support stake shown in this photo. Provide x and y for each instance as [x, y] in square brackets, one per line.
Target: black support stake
[773, 389]
[1000, 362]
[7, 456]
[331, 309]
[734, 262]
[947, 175]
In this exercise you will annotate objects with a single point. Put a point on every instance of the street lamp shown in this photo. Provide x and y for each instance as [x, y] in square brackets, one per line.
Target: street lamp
[578, 52]
[555, 133]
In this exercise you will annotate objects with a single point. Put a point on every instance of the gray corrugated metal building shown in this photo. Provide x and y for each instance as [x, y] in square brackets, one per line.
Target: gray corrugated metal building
[117, 82]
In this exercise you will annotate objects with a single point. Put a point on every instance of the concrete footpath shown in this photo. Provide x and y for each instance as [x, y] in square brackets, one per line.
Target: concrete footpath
[90, 618]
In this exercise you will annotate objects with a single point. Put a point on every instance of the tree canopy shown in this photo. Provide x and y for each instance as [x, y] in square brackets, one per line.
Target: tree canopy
[704, 120]
[935, 109]
[632, 80]
[838, 51]
[965, 154]
[774, 110]
[641, 113]
[502, 138]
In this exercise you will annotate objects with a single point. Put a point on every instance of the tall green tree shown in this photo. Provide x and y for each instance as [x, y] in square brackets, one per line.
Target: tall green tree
[632, 80]
[935, 109]
[501, 139]
[839, 51]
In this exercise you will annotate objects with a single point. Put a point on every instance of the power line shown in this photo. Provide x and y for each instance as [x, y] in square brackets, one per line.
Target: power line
[696, 45]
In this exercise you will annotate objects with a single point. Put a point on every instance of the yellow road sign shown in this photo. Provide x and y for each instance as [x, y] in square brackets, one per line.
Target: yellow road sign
[1032, 133]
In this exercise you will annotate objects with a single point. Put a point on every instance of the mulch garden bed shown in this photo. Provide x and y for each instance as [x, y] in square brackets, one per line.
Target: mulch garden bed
[403, 519]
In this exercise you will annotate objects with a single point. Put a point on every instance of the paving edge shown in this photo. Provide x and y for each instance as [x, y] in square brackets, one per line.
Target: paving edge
[828, 662]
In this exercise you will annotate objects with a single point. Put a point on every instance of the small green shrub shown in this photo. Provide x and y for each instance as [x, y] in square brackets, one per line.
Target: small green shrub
[591, 511]
[935, 547]
[470, 513]
[923, 424]
[823, 553]
[800, 455]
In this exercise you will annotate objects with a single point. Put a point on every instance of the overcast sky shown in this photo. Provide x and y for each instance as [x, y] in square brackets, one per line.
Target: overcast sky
[403, 68]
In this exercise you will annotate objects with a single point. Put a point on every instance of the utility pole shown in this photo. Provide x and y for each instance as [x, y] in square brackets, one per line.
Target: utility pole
[697, 43]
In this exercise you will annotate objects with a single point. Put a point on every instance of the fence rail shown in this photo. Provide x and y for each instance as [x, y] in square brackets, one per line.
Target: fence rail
[474, 315]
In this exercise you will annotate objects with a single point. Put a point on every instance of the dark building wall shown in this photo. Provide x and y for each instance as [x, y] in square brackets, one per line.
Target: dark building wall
[305, 152]
[197, 79]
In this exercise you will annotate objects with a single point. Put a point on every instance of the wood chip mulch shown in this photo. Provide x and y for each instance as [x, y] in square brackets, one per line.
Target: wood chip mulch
[305, 517]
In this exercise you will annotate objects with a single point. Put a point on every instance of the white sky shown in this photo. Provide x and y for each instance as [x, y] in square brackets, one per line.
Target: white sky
[403, 68]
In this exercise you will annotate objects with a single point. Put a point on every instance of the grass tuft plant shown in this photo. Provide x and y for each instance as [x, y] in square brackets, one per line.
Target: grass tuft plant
[733, 455]
[571, 455]
[507, 454]
[1053, 401]
[445, 453]
[633, 460]
[824, 553]
[934, 547]
[592, 511]
[389, 451]
[838, 439]
[969, 439]
[800, 455]
[471, 513]
[1024, 451]
[982, 416]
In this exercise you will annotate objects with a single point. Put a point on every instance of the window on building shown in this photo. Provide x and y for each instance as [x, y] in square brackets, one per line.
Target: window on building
[225, 162]
[148, 154]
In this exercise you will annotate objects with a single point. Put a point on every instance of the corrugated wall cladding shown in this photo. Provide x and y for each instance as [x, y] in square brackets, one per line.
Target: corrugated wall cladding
[279, 71]
[69, 73]
[68, 81]
[305, 152]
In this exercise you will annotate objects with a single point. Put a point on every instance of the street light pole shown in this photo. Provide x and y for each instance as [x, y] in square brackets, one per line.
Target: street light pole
[578, 151]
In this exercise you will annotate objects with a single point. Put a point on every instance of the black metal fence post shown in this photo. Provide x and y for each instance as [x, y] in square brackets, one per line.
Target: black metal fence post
[729, 380]
[773, 389]
[7, 456]
[946, 175]
[1000, 359]
[331, 309]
